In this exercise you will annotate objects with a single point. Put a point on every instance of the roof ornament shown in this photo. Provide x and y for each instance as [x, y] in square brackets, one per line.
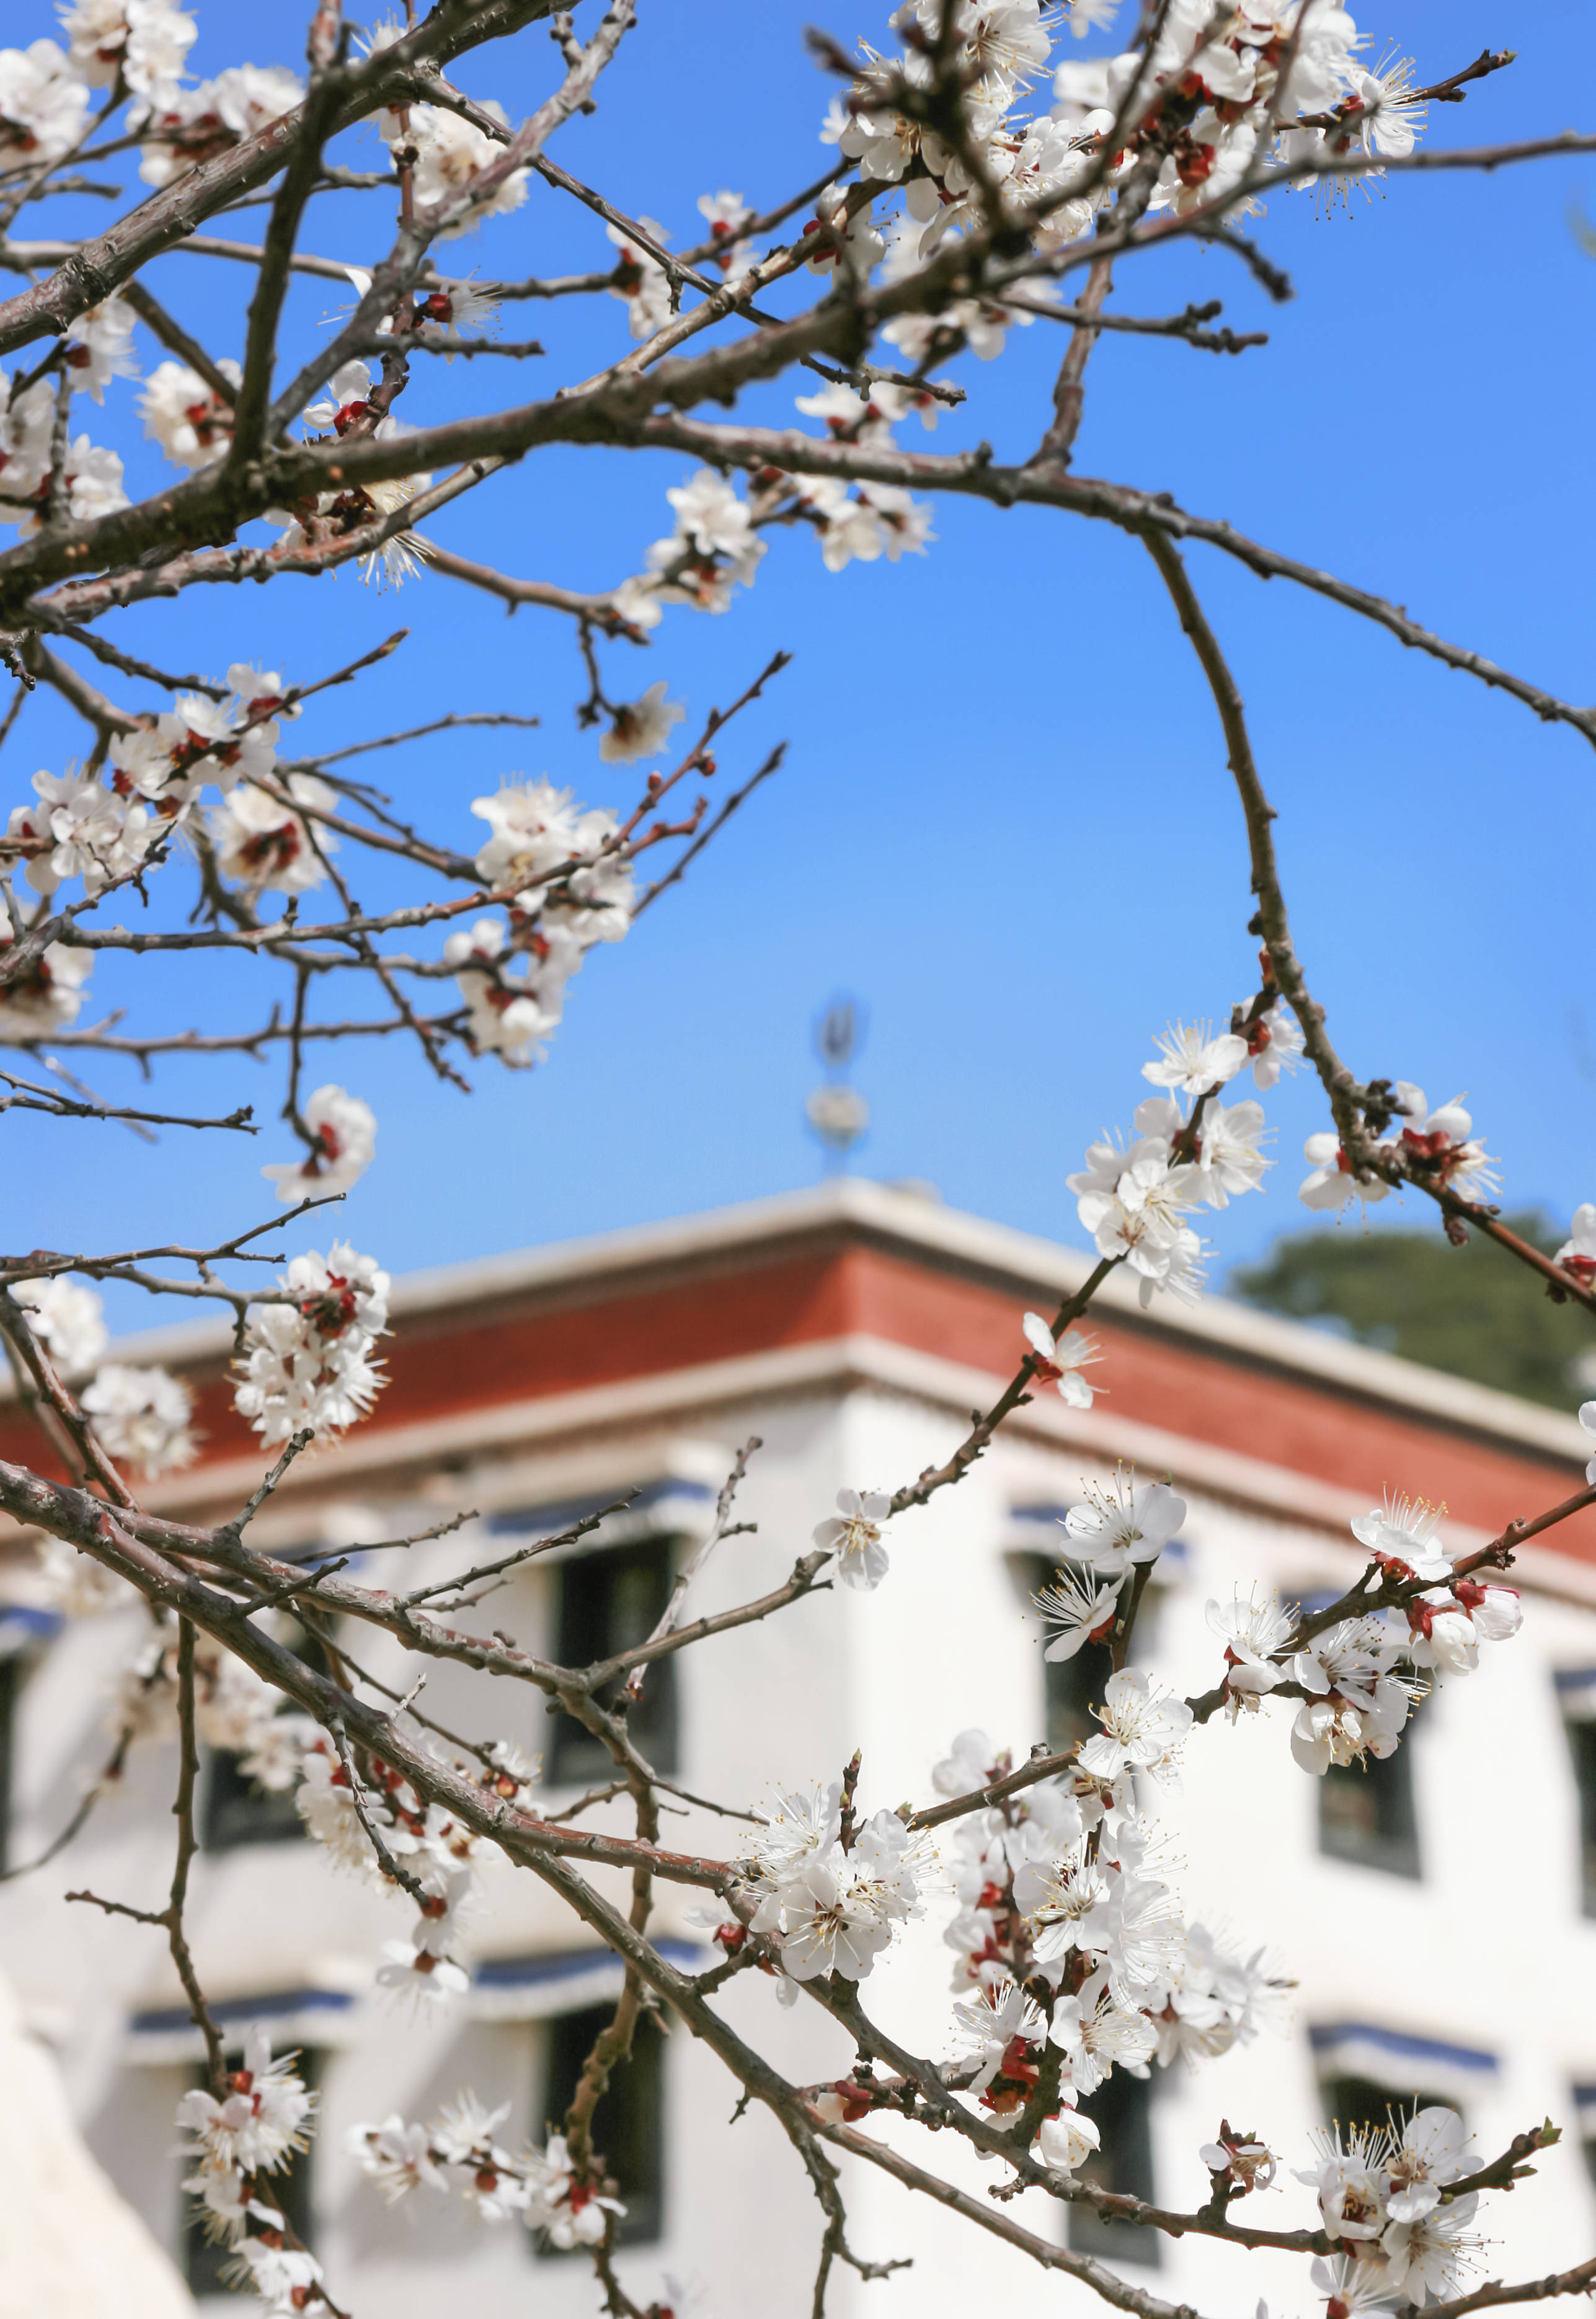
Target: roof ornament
[837, 1114]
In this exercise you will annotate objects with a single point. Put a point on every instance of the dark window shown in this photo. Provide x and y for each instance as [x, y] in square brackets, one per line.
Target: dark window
[1121, 2111]
[1353, 2102]
[11, 1685]
[206, 2265]
[605, 1603]
[234, 1809]
[1366, 1811]
[628, 2123]
[1582, 1740]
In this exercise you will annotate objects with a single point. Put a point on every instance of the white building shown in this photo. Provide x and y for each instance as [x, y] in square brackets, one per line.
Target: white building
[1435, 1914]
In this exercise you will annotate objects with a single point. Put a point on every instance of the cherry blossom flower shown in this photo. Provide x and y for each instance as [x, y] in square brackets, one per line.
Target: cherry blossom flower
[1229, 1160]
[1142, 1729]
[853, 1534]
[1381, 106]
[1060, 1362]
[571, 2212]
[100, 347]
[1120, 1524]
[1242, 2160]
[1402, 1535]
[143, 1418]
[326, 1803]
[726, 214]
[69, 1321]
[1078, 1608]
[262, 843]
[640, 729]
[344, 1133]
[287, 2280]
[194, 125]
[1191, 1059]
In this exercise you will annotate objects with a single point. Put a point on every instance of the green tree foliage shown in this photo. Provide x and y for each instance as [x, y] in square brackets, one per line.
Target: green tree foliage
[1470, 1310]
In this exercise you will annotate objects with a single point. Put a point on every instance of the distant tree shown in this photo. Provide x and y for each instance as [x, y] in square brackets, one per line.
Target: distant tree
[1411, 1293]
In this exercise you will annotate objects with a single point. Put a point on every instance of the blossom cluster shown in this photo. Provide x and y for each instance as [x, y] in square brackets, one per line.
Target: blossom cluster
[459, 2151]
[1136, 1196]
[831, 1895]
[236, 2142]
[1438, 1148]
[1067, 1932]
[1383, 2195]
[308, 1362]
[142, 1416]
[1219, 93]
[570, 886]
[1356, 1676]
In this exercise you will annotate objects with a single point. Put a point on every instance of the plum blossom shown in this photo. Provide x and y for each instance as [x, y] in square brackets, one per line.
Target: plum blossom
[413, 1969]
[640, 729]
[187, 127]
[999, 2016]
[1192, 1060]
[100, 347]
[1135, 1203]
[1274, 1042]
[507, 1015]
[69, 1320]
[1356, 1704]
[45, 106]
[143, 42]
[344, 1141]
[1577, 1254]
[1119, 1524]
[1431, 2149]
[1253, 1630]
[1353, 2284]
[47, 994]
[640, 280]
[713, 546]
[1066, 2139]
[853, 1534]
[1078, 1608]
[1142, 1729]
[259, 2122]
[1349, 2179]
[1443, 1149]
[1401, 1535]
[308, 1362]
[833, 1910]
[143, 1418]
[80, 829]
[1096, 2034]
[187, 417]
[1060, 1361]
[1333, 1182]
[262, 843]
[398, 2158]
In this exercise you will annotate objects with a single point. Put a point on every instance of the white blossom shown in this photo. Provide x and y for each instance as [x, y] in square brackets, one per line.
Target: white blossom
[1442, 1148]
[190, 126]
[143, 1418]
[1333, 1182]
[100, 347]
[1191, 1059]
[398, 2158]
[47, 996]
[45, 106]
[1078, 1608]
[143, 41]
[1275, 1042]
[997, 2018]
[640, 729]
[70, 1321]
[853, 1534]
[1119, 1524]
[642, 281]
[344, 1133]
[1253, 1629]
[1096, 2034]
[1065, 2140]
[1142, 1728]
[260, 2121]
[1060, 1362]
[1403, 1533]
[262, 843]
[308, 1363]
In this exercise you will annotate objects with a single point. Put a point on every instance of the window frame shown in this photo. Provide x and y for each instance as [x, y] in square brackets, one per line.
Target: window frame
[575, 1758]
[643, 2222]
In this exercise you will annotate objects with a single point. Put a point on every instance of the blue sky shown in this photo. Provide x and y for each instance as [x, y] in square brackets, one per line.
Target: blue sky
[1004, 822]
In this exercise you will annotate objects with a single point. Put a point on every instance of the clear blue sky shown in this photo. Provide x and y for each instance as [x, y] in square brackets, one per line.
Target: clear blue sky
[1005, 821]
